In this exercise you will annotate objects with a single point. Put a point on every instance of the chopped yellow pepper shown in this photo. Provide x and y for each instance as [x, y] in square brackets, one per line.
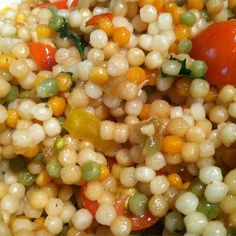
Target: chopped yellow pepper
[85, 126]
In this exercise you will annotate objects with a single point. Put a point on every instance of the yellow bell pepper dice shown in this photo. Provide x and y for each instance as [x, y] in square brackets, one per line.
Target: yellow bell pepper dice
[85, 126]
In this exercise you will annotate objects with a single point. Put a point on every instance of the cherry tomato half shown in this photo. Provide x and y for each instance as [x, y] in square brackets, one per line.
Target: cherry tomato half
[138, 222]
[216, 46]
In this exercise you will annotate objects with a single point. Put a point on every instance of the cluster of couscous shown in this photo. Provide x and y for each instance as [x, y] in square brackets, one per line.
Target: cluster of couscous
[109, 124]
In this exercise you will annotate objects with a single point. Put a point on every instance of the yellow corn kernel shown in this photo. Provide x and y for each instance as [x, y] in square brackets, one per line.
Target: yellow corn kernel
[57, 104]
[43, 179]
[181, 32]
[106, 25]
[44, 31]
[175, 180]
[31, 151]
[6, 60]
[98, 75]
[176, 12]
[20, 18]
[12, 118]
[195, 4]
[104, 172]
[63, 81]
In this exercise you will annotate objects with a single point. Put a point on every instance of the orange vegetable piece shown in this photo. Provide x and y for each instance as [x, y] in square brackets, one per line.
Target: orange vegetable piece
[172, 144]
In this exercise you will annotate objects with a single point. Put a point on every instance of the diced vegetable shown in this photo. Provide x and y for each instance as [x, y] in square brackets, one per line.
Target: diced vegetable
[53, 168]
[211, 210]
[91, 170]
[47, 88]
[197, 187]
[97, 18]
[85, 126]
[25, 178]
[150, 146]
[43, 54]
[138, 204]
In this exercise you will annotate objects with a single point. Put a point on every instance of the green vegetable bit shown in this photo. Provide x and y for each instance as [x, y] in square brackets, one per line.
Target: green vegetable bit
[197, 187]
[91, 170]
[12, 95]
[47, 88]
[198, 69]
[59, 144]
[150, 145]
[25, 94]
[26, 178]
[188, 18]
[64, 230]
[138, 204]
[53, 168]
[56, 22]
[174, 222]
[17, 164]
[184, 46]
[210, 210]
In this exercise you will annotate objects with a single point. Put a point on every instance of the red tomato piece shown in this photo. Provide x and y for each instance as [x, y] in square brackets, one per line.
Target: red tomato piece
[138, 222]
[95, 19]
[92, 206]
[59, 5]
[43, 55]
[110, 162]
[216, 46]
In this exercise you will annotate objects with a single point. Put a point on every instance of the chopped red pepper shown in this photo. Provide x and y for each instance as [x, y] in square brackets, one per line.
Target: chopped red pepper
[43, 55]
[63, 4]
[95, 19]
[59, 4]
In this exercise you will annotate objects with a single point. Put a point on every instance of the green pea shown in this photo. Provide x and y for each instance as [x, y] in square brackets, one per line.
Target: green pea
[53, 168]
[91, 170]
[188, 18]
[198, 69]
[197, 187]
[150, 145]
[184, 46]
[174, 222]
[59, 144]
[138, 204]
[206, 15]
[12, 95]
[56, 22]
[26, 178]
[25, 94]
[47, 88]
[17, 164]
[210, 210]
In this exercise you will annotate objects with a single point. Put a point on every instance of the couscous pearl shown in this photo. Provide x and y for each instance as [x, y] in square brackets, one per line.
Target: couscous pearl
[117, 65]
[187, 203]
[105, 214]
[98, 38]
[214, 228]
[82, 219]
[148, 13]
[216, 191]
[52, 127]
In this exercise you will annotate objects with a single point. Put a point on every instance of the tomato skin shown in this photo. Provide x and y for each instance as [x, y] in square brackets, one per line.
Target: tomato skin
[95, 19]
[138, 222]
[216, 46]
[92, 206]
[59, 4]
[43, 55]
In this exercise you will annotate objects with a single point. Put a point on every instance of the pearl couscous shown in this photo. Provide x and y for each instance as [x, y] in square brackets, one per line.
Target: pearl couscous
[118, 118]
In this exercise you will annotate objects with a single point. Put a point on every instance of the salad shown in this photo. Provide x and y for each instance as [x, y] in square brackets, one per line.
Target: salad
[117, 117]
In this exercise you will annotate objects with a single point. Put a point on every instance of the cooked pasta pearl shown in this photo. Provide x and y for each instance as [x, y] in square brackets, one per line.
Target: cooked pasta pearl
[165, 21]
[214, 228]
[145, 42]
[37, 132]
[159, 185]
[3, 114]
[232, 109]
[148, 13]
[17, 190]
[75, 19]
[199, 88]
[121, 226]
[153, 60]
[83, 69]
[187, 203]
[22, 138]
[195, 223]
[82, 219]
[135, 56]
[197, 111]
[227, 134]
[93, 90]
[98, 38]
[54, 207]
[117, 65]
[127, 177]
[105, 214]
[52, 127]
[207, 149]
[67, 212]
[54, 224]
[10, 203]
[41, 111]
[156, 161]
[161, 44]
[144, 174]
[216, 191]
